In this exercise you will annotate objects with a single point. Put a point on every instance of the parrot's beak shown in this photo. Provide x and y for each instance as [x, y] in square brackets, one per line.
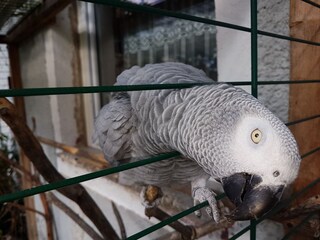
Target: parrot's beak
[251, 199]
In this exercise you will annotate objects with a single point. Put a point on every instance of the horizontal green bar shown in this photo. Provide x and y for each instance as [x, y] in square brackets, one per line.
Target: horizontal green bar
[296, 228]
[85, 177]
[126, 88]
[98, 89]
[168, 13]
[293, 39]
[236, 83]
[302, 120]
[95, 89]
[312, 3]
[310, 152]
[171, 219]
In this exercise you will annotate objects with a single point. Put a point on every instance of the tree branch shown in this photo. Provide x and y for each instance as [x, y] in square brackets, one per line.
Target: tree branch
[24, 208]
[120, 221]
[33, 150]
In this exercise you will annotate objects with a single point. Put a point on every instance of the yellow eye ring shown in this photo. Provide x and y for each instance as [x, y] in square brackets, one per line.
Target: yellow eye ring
[256, 136]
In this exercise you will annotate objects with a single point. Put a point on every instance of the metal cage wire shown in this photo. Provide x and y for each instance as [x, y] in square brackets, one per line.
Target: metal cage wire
[254, 31]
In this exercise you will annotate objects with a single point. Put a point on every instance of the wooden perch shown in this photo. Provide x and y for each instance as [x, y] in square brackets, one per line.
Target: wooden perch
[33, 150]
[186, 232]
[92, 155]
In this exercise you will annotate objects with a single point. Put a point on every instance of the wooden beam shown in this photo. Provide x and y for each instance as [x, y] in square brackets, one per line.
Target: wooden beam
[15, 82]
[41, 17]
[305, 99]
[15, 76]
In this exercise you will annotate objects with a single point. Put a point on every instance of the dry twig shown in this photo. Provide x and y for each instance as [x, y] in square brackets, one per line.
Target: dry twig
[120, 221]
[94, 156]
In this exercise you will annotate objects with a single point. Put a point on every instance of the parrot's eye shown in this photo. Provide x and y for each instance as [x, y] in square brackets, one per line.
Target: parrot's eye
[276, 173]
[256, 136]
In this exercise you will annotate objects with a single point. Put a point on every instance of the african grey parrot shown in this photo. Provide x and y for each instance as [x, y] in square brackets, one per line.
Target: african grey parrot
[220, 130]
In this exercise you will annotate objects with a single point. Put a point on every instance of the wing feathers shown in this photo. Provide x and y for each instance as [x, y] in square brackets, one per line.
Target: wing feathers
[113, 128]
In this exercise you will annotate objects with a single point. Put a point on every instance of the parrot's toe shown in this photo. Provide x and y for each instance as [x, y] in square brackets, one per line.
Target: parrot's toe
[202, 194]
[150, 196]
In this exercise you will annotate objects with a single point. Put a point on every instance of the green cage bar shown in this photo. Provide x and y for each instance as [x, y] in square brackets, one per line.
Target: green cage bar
[253, 30]
[85, 177]
[26, 92]
[254, 48]
[312, 3]
[254, 76]
[171, 219]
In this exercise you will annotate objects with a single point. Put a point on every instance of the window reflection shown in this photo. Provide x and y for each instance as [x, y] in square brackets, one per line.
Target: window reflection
[142, 38]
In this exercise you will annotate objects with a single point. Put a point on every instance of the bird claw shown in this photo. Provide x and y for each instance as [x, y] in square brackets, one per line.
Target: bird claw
[150, 196]
[202, 194]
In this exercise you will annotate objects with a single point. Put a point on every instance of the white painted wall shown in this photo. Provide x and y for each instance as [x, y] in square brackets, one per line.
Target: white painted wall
[4, 74]
[233, 47]
[234, 61]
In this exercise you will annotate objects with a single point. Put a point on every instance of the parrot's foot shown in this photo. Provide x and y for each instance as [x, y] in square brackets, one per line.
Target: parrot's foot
[201, 194]
[150, 196]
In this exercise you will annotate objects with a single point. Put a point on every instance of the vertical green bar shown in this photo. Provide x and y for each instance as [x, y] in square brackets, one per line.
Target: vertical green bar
[253, 229]
[254, 75]
[254, 48]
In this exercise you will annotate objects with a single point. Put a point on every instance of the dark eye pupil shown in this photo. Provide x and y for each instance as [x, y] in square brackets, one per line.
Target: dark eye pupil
[276, 173]
[256, 135]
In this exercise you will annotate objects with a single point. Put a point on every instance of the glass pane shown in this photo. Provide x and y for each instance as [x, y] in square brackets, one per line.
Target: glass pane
[142, 38]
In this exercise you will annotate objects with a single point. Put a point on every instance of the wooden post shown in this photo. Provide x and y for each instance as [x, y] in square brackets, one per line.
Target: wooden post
[15, 82]
[305, 98]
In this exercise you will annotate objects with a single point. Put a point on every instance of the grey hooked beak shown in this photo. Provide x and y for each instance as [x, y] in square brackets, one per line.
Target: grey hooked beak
[251, 199]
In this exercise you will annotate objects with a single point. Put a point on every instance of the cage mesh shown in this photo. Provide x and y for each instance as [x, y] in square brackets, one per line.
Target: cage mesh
[12, 11]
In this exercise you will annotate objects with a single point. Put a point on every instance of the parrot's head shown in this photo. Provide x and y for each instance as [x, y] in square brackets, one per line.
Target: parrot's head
[261, 157]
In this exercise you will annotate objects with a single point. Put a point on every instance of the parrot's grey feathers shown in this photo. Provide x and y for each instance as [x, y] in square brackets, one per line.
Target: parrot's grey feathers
[213, 126]
[113, 128]
[164, 73]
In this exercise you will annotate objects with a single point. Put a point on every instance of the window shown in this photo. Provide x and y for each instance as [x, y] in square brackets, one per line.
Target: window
[125, 39]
